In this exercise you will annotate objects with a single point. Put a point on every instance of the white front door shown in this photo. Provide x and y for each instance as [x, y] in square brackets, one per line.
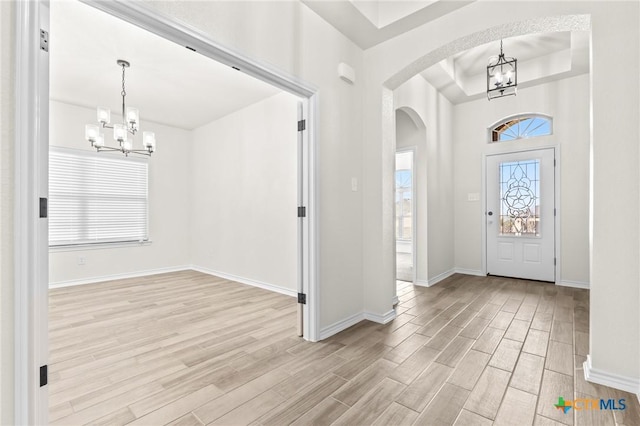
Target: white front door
[520, 215]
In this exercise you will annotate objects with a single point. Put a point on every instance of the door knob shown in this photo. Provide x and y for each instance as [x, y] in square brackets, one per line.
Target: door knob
[490, 213]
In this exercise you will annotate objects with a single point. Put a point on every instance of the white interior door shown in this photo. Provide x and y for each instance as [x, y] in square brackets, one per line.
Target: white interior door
[520, 191]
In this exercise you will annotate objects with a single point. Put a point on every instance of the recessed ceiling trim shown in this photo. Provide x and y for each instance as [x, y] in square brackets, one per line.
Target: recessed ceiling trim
[513, 29]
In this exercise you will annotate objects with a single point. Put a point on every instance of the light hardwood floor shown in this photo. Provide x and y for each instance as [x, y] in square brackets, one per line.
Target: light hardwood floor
[189, 349]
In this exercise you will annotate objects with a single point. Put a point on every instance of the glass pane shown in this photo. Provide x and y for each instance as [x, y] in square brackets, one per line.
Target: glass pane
[520, 198]
[521, 128]
[404, 204]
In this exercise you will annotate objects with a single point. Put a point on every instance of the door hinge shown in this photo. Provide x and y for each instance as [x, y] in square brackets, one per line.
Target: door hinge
[302, 212]
[554, 261]
[43, 208]
[554, 211]
[302, 125]
[44, 375]
[44, 40]
[302, 298]
[554, 162]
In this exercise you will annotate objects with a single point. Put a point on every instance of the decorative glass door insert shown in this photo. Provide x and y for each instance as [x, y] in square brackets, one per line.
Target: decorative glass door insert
[520, 198]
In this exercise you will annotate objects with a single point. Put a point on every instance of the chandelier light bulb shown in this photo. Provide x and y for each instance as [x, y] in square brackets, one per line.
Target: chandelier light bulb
[104, 115]
[99, 142]
[120, 133]
[126, 146]
[91, 132]
[133, 117]
[149, 140]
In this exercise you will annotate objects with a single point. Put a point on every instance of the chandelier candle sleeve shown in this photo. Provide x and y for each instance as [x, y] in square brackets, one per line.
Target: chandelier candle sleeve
[130, 124]
[502, 76]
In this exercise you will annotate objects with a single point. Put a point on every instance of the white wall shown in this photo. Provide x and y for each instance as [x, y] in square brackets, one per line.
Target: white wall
[169, 194]
[7, 106]
[243, 213]
[567, 101]
[434, 176]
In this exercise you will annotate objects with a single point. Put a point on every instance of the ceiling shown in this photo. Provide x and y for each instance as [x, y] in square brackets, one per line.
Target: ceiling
[541, 58]
[461, 78]
[168, 83]
[370, 22]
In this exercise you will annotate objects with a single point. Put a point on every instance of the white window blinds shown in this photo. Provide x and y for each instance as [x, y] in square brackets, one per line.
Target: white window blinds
[96, 198]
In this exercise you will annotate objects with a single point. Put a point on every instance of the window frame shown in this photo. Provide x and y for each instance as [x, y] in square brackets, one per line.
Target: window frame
[111, 242]
[521, 116]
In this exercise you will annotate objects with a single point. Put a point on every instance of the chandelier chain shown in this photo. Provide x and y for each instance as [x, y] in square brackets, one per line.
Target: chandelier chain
[123, 93]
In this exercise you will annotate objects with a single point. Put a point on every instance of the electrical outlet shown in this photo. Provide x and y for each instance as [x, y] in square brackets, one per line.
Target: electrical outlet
[82, 260]
[354, 184]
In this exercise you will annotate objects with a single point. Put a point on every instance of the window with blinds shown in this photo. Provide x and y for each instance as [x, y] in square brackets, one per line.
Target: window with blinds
[96, 198]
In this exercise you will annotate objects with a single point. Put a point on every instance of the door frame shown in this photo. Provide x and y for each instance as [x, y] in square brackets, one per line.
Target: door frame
[557, 186]
[414, 246]
[31, 181]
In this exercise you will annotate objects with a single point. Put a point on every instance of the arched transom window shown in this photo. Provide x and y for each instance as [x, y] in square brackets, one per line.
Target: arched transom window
[522, 126]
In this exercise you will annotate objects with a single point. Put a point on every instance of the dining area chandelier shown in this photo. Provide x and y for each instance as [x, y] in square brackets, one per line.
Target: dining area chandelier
[123, 132]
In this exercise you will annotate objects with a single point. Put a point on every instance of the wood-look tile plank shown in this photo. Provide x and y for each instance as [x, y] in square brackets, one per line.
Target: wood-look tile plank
[324, 413]
[559, 358]
[468, 418]
[528, 373]
[455, 351]
[562, 332]
[405, 349]
[413, 366]
[506, 355]
[517, 330]
[489, 340]
[187, 420]
[502, 320]
[227, 402]
[474, 328]
[306, 399]
[372, 405]
[396, 415]
[445, 406]
[420, 392]
[443, 337]
[517, 408]
[351, 392]
[542, 321]
[468, 371]
[553, 386]
[251, 410]
[486, 396]
[536, 343]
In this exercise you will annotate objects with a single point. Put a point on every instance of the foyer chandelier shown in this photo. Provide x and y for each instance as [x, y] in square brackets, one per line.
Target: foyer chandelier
[130, 125]
[502, 76]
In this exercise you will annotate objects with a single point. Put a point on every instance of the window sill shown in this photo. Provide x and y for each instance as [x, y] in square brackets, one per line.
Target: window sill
[99, 246]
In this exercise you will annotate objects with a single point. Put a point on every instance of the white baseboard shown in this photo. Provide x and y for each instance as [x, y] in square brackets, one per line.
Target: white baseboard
[381, 319]
[616, 381]
[103, 278]
[574, 284]
[342, 325]
[474, 272]
[248, 281]
[435, 280]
